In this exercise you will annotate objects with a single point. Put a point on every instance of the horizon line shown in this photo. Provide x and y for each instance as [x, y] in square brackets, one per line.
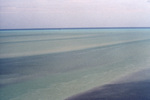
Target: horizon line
[75, 28]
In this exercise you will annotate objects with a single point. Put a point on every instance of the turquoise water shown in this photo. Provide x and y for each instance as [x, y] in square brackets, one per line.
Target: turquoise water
[56, 64]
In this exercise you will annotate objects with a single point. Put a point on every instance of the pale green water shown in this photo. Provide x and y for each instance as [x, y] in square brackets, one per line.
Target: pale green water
[56, 64]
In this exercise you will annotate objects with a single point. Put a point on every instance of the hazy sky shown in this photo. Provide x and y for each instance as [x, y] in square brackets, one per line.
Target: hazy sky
[74, 13]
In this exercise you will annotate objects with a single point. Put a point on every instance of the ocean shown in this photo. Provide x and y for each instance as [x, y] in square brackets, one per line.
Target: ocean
[55, 64]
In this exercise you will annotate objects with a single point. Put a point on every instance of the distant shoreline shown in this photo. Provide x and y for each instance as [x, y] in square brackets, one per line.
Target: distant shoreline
[78, 28]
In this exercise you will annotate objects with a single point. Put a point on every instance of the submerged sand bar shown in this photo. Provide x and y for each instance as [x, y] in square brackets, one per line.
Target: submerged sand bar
[133, 87]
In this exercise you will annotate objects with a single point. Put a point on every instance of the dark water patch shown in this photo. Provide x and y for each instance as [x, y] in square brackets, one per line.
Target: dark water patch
[105, 58]
[125, 91]
[141, 75]
[77, 59]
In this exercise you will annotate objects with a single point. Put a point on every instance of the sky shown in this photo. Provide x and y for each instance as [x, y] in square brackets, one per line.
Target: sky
[74, 13]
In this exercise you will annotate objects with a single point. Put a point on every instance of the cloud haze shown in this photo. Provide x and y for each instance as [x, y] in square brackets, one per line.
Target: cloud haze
[74, 13]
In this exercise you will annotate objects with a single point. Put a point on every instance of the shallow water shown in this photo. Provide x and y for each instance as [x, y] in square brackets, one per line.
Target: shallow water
[131, 87]
[56, 64]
